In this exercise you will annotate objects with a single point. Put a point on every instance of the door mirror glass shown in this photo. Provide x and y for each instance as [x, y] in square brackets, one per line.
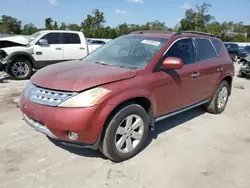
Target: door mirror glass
[172, 63]
[43, 42]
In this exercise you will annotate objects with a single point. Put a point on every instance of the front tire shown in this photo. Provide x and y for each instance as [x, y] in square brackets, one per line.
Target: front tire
[126, 133]
[20, 69]
[218, 104]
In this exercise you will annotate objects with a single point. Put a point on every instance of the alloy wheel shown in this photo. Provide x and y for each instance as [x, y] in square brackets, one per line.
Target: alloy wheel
[222, 97]
[129, 133]
[20, 69]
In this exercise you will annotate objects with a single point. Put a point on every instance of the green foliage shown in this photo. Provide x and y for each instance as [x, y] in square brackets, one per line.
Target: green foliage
[10, 25]
[48, 23]
[29, 29]
[197, 19]
[63, 26]
[55, 26]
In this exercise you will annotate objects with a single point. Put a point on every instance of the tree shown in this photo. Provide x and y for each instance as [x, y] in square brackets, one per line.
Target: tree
[29, 29]
[10, 25]
[196, 20]
[188, 23]
[74, 27]
[48, 23]
[93, 22]
[63, 26]
[239, 38]
[55, 26]
[202, 17]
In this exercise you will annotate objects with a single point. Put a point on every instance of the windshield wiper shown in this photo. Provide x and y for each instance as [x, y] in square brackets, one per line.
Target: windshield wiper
[102, 63]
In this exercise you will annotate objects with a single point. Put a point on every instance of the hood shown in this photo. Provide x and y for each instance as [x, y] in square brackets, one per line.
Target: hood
[21, 40]
[78, 75]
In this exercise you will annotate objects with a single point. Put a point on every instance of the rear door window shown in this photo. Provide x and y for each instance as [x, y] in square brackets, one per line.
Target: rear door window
[182, 49]
[205, 50]
[217, 45]
[71, 38]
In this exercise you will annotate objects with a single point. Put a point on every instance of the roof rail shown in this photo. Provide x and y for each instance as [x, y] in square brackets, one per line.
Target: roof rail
[151, 32]
[193, 32]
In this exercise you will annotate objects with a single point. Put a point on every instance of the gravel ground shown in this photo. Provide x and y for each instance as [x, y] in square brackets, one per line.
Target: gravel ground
[192, 150]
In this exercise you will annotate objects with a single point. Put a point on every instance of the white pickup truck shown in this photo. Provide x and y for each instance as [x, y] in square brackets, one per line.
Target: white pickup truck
[20, 56]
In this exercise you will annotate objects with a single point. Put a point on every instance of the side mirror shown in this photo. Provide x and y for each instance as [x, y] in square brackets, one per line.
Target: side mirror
[172, 63]
[43, 42]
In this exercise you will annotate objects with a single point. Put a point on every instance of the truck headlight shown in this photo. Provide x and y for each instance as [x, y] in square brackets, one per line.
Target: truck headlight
[86, 99]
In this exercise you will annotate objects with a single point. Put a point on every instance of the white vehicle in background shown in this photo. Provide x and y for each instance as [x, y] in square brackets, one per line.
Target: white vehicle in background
[20, 55]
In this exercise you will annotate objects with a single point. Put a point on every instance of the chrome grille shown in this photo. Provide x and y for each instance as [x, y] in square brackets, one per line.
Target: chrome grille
[47, 96]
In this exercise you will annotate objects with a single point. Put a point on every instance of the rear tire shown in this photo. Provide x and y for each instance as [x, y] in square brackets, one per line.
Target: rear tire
[20, 69]
[218, 104]
[121, 140]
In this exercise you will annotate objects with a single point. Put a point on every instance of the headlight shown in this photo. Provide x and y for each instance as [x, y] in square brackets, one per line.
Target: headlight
[27, 89]
[86, 99]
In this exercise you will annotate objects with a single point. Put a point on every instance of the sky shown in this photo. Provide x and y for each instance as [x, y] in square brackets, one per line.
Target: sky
[120, 11]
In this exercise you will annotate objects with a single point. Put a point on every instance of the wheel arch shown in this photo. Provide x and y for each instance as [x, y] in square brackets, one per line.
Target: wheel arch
[16, 55]
[229, 80]
[143, 101]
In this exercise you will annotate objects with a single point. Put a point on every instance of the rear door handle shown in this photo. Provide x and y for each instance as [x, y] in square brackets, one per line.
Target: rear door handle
[58, 48]
[195, 75]
[82, 48]
[220, 69]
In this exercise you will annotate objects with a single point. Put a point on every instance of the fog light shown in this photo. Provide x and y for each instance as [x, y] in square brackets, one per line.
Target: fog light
[73, 136]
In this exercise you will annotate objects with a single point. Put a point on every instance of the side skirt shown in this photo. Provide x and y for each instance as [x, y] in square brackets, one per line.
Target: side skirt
[180, 111]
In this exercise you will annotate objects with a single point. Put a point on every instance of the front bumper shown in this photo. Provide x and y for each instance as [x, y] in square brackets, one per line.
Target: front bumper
[57, 122]
[39, 127]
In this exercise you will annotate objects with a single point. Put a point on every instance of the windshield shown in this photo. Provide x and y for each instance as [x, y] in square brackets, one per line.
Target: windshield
[33, 36]
[133, 52]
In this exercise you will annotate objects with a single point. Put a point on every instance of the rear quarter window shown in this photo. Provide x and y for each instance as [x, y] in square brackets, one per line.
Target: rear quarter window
[205, 49]
[217, 45]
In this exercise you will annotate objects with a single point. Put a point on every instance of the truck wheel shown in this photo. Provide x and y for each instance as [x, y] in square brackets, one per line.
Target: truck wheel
[218, 104]
[20, 69]
[126, 133]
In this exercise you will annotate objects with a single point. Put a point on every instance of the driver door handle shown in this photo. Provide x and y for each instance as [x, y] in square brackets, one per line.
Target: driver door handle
[195, 75]
[58, 48]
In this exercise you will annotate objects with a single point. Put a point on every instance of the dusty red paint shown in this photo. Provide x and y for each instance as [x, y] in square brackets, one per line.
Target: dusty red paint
[166, 90]
[79, 75]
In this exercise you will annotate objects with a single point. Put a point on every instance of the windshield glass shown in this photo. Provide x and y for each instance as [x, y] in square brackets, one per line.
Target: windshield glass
[33, 36]
[133, 52]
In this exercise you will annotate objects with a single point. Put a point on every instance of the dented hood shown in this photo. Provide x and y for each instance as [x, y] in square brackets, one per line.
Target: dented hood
[16, 39]
[79, 75]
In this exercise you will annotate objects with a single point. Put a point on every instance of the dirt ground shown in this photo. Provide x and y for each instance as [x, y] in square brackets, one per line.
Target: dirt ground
[192, 150]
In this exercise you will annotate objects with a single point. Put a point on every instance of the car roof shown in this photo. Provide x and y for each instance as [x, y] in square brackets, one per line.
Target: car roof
[167, 34]
[63, 31]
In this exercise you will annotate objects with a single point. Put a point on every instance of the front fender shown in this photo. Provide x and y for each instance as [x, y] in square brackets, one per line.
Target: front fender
[13, 55]
[115, 99]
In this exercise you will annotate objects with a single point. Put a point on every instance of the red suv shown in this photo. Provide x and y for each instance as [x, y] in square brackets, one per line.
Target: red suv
[113, 97]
